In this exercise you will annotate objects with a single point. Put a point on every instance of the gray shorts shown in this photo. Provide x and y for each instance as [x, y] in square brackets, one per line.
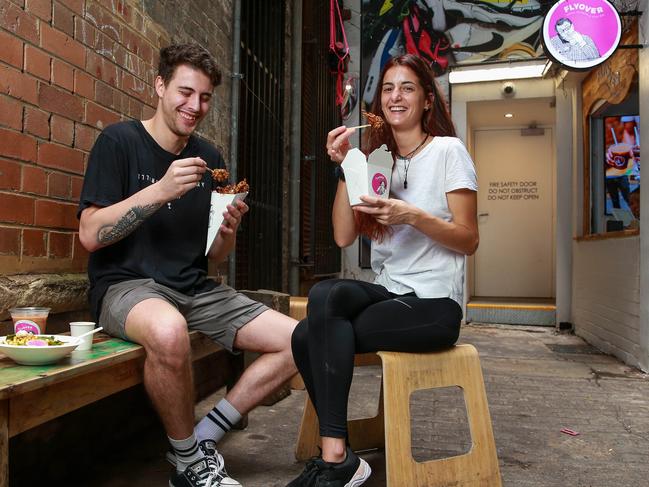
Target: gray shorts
[218, 313]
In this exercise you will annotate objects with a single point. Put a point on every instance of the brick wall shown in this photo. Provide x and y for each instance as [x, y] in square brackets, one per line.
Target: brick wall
[69, 68]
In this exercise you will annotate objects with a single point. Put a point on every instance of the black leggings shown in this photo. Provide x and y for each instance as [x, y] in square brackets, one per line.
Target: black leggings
[345, 317]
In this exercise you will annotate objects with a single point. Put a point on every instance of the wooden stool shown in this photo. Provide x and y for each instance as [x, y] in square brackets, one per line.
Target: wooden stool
[404, 373]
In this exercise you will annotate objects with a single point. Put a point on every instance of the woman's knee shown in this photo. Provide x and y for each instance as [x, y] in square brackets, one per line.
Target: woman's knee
[299, 338]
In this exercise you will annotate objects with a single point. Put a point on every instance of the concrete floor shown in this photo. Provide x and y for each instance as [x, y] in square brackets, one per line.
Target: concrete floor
[538, 382]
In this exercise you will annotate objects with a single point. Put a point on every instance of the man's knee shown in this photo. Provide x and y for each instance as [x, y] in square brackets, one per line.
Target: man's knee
[167, 342]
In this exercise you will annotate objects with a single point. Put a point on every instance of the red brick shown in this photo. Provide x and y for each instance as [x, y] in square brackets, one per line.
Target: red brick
[12, 50]
[17, 145]
[60, 245]
[84, 84]
[34, 180]
[20, 3]
[37, 122]
[16, 20]
[100, 117]
[63, 45]
[60, 157]
[9, 175]
[103, 69]
[9, 241]
[54, 214]
[58, 101]
[62, 130]
[37, 62]
[135, 109]
[16, 208]
[147, 112]
[84, 136]
[104, 94]
[19, 85]
[34, 243]
[86, 33]
[63, 19]
[58, 185]
[75, 5]
[11, 113]
[110, 25]
[76, 184]
[62, 74]
[40, 8]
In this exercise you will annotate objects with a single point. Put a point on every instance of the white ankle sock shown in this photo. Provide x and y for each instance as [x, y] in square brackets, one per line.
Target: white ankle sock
[218, 421]
[186, 451]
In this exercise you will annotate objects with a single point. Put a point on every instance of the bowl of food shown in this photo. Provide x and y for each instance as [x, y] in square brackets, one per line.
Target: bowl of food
[28, 349]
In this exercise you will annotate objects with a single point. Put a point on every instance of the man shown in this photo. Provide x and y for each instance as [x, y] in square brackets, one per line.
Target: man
[571, 45]
[144, 213]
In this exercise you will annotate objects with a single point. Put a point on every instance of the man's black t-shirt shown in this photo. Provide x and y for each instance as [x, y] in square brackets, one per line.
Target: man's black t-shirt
[169, 246]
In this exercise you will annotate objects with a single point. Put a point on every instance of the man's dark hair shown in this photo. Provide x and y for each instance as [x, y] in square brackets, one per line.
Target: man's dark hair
[561, 21]
[192, 55]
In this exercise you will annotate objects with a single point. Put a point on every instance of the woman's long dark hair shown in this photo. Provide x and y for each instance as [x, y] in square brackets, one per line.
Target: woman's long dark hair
[435, 121]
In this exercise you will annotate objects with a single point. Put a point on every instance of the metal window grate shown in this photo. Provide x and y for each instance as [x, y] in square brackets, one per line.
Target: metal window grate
[261, 144]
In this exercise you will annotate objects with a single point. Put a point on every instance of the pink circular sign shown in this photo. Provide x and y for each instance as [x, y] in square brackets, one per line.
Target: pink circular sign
[580, 34]
[379, 184]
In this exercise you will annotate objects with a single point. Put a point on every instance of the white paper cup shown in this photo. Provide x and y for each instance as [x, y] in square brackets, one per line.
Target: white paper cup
[79, 328]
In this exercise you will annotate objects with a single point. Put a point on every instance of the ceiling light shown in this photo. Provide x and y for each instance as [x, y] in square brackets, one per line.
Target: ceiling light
[509, 115]
[497, 72]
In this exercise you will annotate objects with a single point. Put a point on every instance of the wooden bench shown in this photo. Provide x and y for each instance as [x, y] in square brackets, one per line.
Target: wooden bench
[33, 395]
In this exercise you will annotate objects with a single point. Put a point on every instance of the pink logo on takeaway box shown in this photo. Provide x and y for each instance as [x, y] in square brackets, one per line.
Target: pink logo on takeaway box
[379, 183]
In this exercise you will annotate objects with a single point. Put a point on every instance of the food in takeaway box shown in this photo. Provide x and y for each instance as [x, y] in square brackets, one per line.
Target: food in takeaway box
[222, 175]
[240, 187]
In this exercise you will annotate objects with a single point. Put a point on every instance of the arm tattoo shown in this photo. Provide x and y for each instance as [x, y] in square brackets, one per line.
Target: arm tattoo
[133, 218]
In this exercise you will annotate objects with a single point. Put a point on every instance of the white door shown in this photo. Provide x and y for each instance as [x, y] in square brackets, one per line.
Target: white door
[515, 201]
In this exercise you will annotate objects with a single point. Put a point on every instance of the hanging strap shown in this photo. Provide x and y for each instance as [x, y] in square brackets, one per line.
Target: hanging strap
[335, 20]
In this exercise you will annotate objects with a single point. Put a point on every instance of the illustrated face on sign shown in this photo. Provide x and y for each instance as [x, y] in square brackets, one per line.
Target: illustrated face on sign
[565, 29]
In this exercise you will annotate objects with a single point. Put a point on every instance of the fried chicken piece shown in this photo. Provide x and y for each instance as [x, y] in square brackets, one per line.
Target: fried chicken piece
[240, 187]
[220, 175]
[376, 121]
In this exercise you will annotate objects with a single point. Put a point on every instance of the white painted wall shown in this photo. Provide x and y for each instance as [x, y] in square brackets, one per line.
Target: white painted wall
[611, 277]
[606, 296]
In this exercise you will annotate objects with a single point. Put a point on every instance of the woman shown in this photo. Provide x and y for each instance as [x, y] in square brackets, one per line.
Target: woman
[420, 237]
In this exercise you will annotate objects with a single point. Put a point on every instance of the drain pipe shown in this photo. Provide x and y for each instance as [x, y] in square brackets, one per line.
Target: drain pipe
[296, 150]
[234, 115]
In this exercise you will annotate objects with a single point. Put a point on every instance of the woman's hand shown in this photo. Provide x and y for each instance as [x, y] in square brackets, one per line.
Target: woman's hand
[388, 211]
[338, 143]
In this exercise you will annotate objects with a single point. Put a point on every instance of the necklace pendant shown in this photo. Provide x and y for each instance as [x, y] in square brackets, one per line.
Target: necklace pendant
[405, 184]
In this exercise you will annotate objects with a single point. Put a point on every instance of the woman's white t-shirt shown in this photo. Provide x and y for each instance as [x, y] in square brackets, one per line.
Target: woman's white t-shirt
[408, 260]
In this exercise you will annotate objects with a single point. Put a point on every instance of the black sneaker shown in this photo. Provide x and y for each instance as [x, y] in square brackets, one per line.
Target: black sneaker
[354, 471]
[308, 475]
[208, 448]
[201, 473]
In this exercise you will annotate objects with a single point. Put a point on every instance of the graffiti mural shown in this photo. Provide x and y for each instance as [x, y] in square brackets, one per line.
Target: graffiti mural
[448, 33]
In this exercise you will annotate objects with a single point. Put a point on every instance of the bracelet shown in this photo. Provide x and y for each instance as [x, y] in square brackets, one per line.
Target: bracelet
[339, 173]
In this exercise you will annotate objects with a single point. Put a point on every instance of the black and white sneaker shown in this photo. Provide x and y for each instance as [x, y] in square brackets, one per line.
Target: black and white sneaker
[201, 473]
[208, 448]
[354, 471]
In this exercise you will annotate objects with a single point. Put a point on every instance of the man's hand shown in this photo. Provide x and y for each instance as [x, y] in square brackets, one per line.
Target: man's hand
[232, 217]
[182, 175]
[388, 211]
